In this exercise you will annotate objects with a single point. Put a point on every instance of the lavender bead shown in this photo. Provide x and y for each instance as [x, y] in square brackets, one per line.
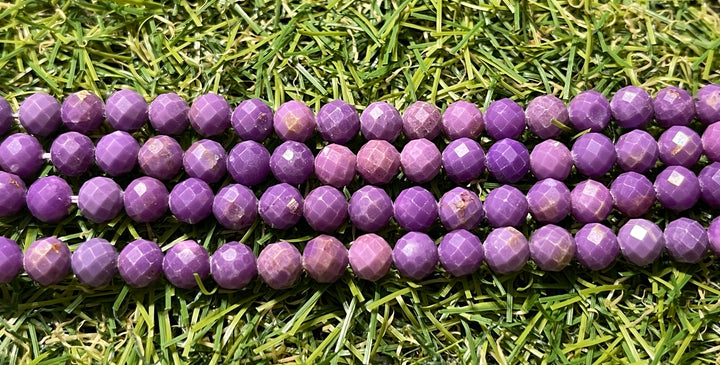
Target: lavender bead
[677, 188]
[235, 207]
[40, 114]
[462, 119]
[680, 145]
[325, 209]
[338, 122]
[47, 261]
[168, 114]
[145, 199]
[140, 263]
[72, 153]
[552, 247]
[82, 112]
[233, 266]
[504, 118]
[116, 153]
[641, 241]
[415, 255]
[637, 151]
[707, 104]
[370, 208]
[11, 260]
[713, 233]
[281, 206]
[633, 194]
[711, 141]
[631, 107]
[686, 240]
[460, 252]
[550, 159]
[381, 121]
[420, 160]
[593, 154]
[95, 262]
[378, 162]
[335, 165]
[48, 199]
[673, 106]
[160, 157]
[279, 265]
[126, 110]
[253, 120]
[12, 194]
[463, 160]
[183, 261]
[709, 179]
[191, 201]
[508, 161]
[506, 250]
[325, 259]
[591, 202]
[21, 155]
[460, 209]
[421, 120]
[415, 209]
[589, 110]
[540, 114]
[370, 257]
[100, 199]
[505, 206]
[549, 201]
[294, 121]
[205, 160]
[292, 162]
[6, 116]
[210, 115]
[248, 163]
[596, 246]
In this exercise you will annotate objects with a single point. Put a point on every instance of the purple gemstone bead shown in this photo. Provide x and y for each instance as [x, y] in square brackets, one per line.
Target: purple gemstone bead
[504, 118]
[47, 261]
[235, 207]
[677, 188]
[680, 145]
[140, 263]
[589, 110]
[631, 107]
[72, 153]
[249, 163]
[40, 114]
[505, 206]
[281, 206]
[205, 160]
[552, 247]
[673, 106]
[21, 155]
[183, 261]
[596, 246]
[549, 201]
[508, 161]
[421, 120]
[126, 110]
[462, 119]
[550, 159]
[145, 199]
[48, 199]
[6, 116]
[12, 194]
[707, 104]
[253, 120]
[540, 114]
[325, 209]
[11, 260]
[168, 114]
[686, 240]
[420, 160]
[711, 141]
[460, 252]
[378, 162]
[463, 160]
[415, 255]
[415, 209]
[637, 151]
[460, 209]
[338, 122]
[279, 265]
[292, 162]
[713, 233]
[160, 157]
[100, 199]
[335, 165]
[294, 121]
[382, 121]
[709, 179]
[591, 202]
[633, 194]
[370, 257]
[641, 241]
[82, 112]
[370, 208]
[116, 153]
[506, 250]
[593, 154]
[325, 259]
[95, 262]
[210, 115]
[233, 265]
[191, 201]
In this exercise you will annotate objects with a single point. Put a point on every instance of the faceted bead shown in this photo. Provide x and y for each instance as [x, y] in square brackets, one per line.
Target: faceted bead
[505, 206]
[707, 104]
[686, 240]
[378, 162]
[210, 115]
[95, 262]
[677, 188]
[550, 159]
[506, 250]
[596, 246]
[381, 121]
[47, 261]
[421, 120]
[415, 209]
[248, 163]
[116, 153]
[633, 194]
[6, 116]
[325, 259]
[280, 265]
[415, 255]
[549, 201]
[631, 107]
[182, 261]
[82, 112]
[462, 119]
[72, 153]
[11, 260]
[713, 233]
[680, 145]
[641, 241]
[338, 122]
[21, 155]
[191, 201]
[711, 141]
[140, 263]
[126, 110]
[160, 157]
[233, 265]
[294, 121]
[508, 161]
[460, 209]
[593, 154]
[145, 199]
[168, 114]
[504, 118]
[205, 160]
[370, 208]
[673, 106]
[235, 207]
[552, 247]
[12, 194]
[591, 202]
[709, 179]
[48, 199]
[253, 120]
[292, 162]
[370, 257]
[325, 209]
[463, 160]
[589, 110]
[100, 199]
[335, 165]
[540, 114]
[637, 151]
[281, 206]
[420, 160]
[460, 253]
[40, 114]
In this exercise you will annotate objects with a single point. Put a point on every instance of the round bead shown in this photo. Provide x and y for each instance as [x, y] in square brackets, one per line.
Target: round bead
[593, 154]
[294, 121]
[292, 162]
[248, 163]
[415, 209]
[641, 241]
[145, 199]
[382, 121]
[591, 202]
[463, 160]
[95, 262]
[100, 199]
[338, 122]
[378, 162]
[552, 247]
[460, 252]
[325, 259]
[673, 106]
[589, 110]
[550, 159]
[506, 250]
[235, 207]
[707, 104]
[686, 240]
[460, 209]
[504, 118]
[415, 255]
[709, 179]
[233, 265]
[47, 261]
[505, 206]
[596, 246]
[205, 160]
[253, 120]
[168, 114]
[713, 233]
[325, 209]
[48, 199]
[370, 208]
[116, 153]
[633, 194]
[183, 261]
[680, 145]
[421, 120]
[12, 194]
[140, 263]
[11, 260]
[6, 116]
[82, 112]
[126, 110]
[549, 201]
[210, 115]
[370, 257]
[279, 265]
[160, 157]
[462, 119]
[335, 165]
[420, 160]
[508, 161]
[677, 188]
[637, 151]
[72, 153]
[711, 141]
[21, 155]
[40, 114]
[631, 107]
[540, 114]
[281, 206]
[191, 201]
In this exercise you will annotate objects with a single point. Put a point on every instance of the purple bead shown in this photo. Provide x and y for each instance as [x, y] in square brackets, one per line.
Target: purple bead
[593, 154]
[709, 179]
[631, 107]
[100, 199]
[506, 250]
[589, 110]
[95, 262]
[126, 110]
[140, 263]
[6, 116]
[233, 265]
[463, 160]
[12, 194]
[210, 115]
[460, 209]
[335, 165]
[641, 241]
[673, 106]
[596, 246]
[168, 114]
[680, 145]
[415, 255]
[552, 247]
[47, 261]
[378, 162]
[11, 260]
[160, 157]
[707, 104]
[540, 114]
[72, 153]
[550, 159]
[281, 206]
[677, 188]
[253, 120]
[370, 257]
[633, 194]
[292, 162]
[116, 153]
[549, 201]
[325, 259]
[370, 208]
[183, 261]
[294, 121]
[711, 141]
[382, 121]
[205, 160]
[591, 202]
[421, 120]
[145, 199]
[460, 252]
[462, 119]
[48, 199]
[508, 161]
[505, 206]
[338, 122]
[280, 265]
[713, 233]
[40, 114]
[82, 112]
[191, 201]
[248, 163]
[415, 209]
[504, 118]
[325, 209]
[21, 155]
[686, 240]
[637, 151]
[235, 207]
[420, 160]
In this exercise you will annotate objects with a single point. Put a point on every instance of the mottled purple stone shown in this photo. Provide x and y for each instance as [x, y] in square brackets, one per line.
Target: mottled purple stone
[549, 201]
[280, 265]
[677, 188]
[460, 209]
[591, 202]
[421, 120]
[641, 241]
[47, 261]
[335, 165]
[505, 206]
[460, 252]
[508, 161]
[707, 104]
[48, 199]
[294, 121]
[191, 201]
[370, 208]
[82, 112]
[631, 107]
[6, 116]
[100, 199]
[540, 114]
[11, 260]
[140, 263]
[325, 259]
[686, 240]
[325, 209]
[589, 110]
[552, 247]
[463, 160]
[415, 209]
[504, 118]
[462, 119]
[709, 179]
[21, 155]
[637, 151]
[235, 207]
[673, 106]
[168, 114]
[378, 162]
[711, 142]
[248, 163]
[680, 145]
[593, 154]
[281, 206]
[596, 246]
[551, 159]
[253, 120]
[205, 160]
[210, 115]
[292, 162]
[713, 233]
[370, 257]
[183, 261]
[40, 114]
[338, 122]
[506, 250]
[116, 153]
[145, 199]
[382, 121]
[126, 110]
[420, 160]
[415, 255]
[95, 262]
[12, 194]
[633, 194]
[233, 265]
[72, 153]
[160, 157]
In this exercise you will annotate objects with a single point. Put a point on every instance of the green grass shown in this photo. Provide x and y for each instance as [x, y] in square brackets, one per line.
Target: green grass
[396, 51]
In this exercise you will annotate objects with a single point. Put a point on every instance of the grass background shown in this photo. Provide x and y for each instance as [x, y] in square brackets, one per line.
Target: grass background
[397, 51]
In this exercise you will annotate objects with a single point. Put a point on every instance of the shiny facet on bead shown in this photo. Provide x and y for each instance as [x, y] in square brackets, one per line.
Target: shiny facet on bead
[460, 209]
[12, 194]
[325, 259]
[673, 106]
[40, 114]
[637, 151]
[711, 141]
[338, 122]
[552, 247]
[378, 162]
[463, 160]
[116, 153]
[589, 110]
[462, 119]
[47, 261]
[686, 240]
[415, 209]
[94, 262]
[145, 199]
[292, 162]
[168, 114]
[549, 201]
[540, 114]
[335, 165]
[641, 241]
[11, 260]
[325, 209]
[381, 121]
[593, 154]
[709, 179]
[183, 261]
[680, 145]
[100, 199]
[126, 110]
[82, 112]
[591, 202]
[370, 208]
[233, 266]
[72, 153]
[677, 188]
[48, 199]
[713, 233]
[21, 155]
[506, 250]
[281, 206]
[508, 161]
[707, 104]
[550, 159]
[191, 201]
[235, 207]
[140, 263]
[460, 252]
[294, 121]
[420, 160]
[209, 115]
[370, 257]
[421, 120]
[596, 246]
[280, 265]
[205, 160]
[160, 157]
[633, 194]
[253, 120]
[631, 107]
[505, 206]
[504, 118]
[415, 255]
[248, 163]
